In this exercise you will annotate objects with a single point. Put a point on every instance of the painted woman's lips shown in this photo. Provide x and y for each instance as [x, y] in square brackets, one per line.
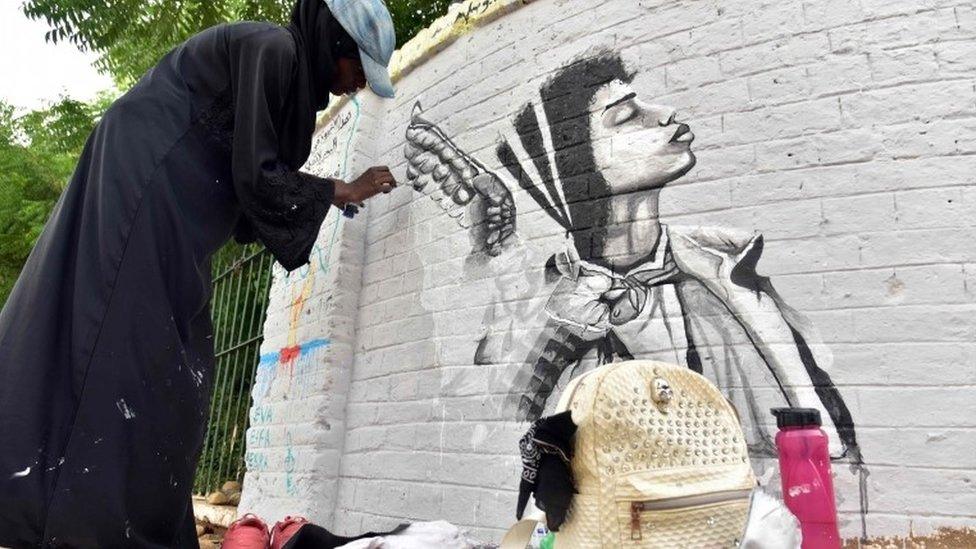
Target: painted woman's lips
[682, 134]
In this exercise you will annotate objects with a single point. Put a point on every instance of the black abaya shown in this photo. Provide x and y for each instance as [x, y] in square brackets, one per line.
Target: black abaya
[106, 349]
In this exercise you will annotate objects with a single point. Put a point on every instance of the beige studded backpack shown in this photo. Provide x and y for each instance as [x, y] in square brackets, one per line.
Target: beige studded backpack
[659, 461]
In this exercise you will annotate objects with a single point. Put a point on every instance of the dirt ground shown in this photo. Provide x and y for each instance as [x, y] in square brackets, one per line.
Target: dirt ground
[209, 535]
[943, 538]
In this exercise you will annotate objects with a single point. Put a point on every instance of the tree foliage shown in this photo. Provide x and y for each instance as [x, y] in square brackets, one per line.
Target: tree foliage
[38, 152]
[131, 35]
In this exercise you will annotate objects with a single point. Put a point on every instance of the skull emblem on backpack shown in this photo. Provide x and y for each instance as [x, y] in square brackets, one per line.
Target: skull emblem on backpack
[662, 393]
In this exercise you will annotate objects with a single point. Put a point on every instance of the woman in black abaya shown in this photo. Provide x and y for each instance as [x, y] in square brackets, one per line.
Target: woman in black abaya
[106, 343]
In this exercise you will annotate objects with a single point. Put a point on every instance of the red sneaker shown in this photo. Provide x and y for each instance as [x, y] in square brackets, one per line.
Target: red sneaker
[247, 532]
[284, 530]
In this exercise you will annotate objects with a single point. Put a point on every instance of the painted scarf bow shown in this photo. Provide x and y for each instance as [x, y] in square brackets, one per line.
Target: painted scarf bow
[595, 299]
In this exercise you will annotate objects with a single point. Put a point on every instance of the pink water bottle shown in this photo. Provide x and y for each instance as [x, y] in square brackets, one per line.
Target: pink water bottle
[804, 466]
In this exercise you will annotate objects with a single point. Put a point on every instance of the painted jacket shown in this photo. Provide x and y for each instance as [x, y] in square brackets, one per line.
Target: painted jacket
[698, 302]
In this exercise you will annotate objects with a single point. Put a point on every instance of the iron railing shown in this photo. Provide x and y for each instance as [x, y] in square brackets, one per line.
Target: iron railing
[241, 282]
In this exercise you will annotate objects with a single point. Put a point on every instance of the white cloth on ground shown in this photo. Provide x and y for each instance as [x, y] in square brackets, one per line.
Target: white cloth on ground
[421, 535]
[771, 525]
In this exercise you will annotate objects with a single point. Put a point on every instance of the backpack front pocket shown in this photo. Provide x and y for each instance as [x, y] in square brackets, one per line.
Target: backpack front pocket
[710, 520]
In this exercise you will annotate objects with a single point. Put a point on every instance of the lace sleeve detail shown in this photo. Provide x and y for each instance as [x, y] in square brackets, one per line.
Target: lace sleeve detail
[286, 213]
[283, 207]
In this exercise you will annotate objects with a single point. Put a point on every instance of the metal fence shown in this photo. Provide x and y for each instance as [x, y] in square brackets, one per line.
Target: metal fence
[241, 282]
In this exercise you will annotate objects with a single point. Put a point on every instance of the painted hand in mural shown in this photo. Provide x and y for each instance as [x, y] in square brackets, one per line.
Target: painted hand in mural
[471, 194]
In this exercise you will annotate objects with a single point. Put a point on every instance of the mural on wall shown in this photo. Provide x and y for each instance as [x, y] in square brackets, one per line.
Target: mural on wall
[595, 158]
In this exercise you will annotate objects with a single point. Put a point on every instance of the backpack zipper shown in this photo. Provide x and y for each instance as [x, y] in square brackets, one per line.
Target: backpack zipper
[638, 507]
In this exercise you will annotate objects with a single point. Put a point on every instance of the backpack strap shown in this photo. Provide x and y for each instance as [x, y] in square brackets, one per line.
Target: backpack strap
[520, 534]
[566, 398]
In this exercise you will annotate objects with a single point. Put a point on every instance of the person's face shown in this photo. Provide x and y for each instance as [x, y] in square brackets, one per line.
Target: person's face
[637, 146]
[349, 76]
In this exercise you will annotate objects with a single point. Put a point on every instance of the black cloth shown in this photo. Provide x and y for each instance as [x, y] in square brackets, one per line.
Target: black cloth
[311, 536]
[106, 343]
[547, 454]
[302, 70]
[321, 40]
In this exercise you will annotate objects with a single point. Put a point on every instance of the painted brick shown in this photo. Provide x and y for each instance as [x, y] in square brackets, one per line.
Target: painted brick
[877, 9]
[923, 102]
[775, 54]
[914, 64]
[929, 284]
[918, 247]
[888, 33]
[920, 139]
[946, 323]
[692, 72]
[824, 14]
[796, 119]
[741, 161]
[780, 85]
[856, 214]
[718, 97]
[803, 255]
[838, 74]
[934, 208]
[906, 363]
[822, 149]
[697, 41]
[767, 20]
[938, 489]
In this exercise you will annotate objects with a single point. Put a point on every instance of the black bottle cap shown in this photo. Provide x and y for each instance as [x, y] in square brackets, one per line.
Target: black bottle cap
[796, 417]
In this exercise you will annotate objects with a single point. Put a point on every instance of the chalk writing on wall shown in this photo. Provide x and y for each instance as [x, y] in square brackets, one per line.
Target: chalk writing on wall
[255, 461]
[331, 147]
[261, 414]
[290, 487]
[294, 370]
[330, 158]
[282, 364]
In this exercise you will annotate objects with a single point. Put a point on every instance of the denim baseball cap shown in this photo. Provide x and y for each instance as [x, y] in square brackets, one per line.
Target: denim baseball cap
[368, 22]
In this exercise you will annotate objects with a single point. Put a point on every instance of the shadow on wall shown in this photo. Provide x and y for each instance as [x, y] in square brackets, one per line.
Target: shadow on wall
[595, 157]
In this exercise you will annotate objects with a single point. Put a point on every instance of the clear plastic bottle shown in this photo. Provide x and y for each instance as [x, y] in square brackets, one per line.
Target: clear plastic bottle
[538, 535]
[808, 486]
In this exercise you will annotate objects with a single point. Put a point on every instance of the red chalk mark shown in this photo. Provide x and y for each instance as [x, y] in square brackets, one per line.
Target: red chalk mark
[287, 355]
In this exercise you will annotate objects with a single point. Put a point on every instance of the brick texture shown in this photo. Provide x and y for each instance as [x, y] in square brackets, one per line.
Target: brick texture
[843, 131]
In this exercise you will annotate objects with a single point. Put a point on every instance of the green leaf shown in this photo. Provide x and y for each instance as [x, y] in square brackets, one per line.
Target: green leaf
[130, 36]
[38, 153]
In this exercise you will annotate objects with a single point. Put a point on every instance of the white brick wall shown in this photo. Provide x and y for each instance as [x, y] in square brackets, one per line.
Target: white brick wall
[297, 432]
[843, 131]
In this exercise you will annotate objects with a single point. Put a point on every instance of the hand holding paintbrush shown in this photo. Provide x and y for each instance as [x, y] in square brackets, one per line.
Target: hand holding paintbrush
[350, 196]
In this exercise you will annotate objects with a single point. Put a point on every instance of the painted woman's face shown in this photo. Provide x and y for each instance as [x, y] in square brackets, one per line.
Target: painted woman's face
[637, 146]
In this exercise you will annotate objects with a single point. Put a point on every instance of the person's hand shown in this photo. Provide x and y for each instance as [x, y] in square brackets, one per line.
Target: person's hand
[373, 181]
